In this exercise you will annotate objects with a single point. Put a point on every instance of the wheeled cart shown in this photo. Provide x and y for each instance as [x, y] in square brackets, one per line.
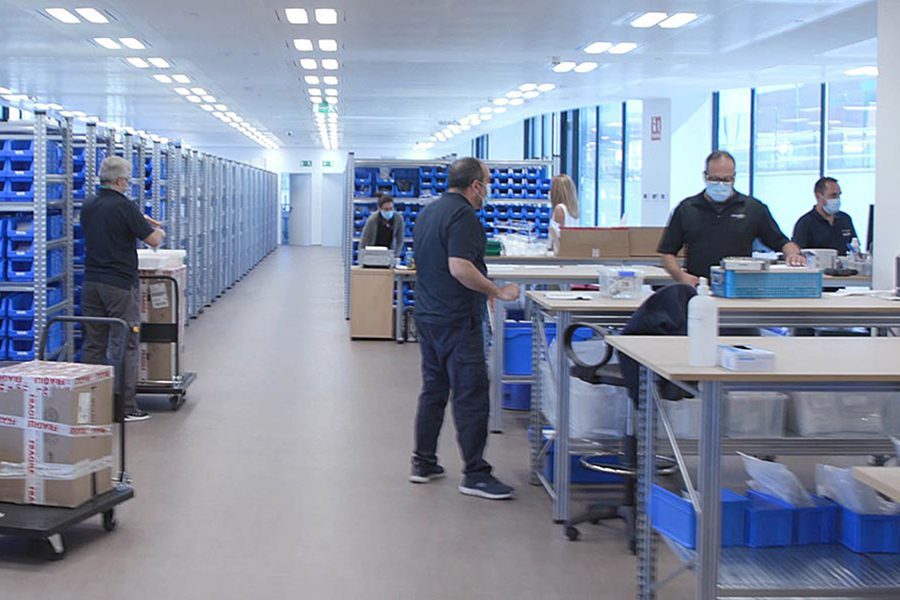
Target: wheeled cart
[167, 333]
[49, 523]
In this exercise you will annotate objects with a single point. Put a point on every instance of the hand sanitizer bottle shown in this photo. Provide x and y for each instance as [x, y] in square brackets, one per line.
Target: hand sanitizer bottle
[703, 328]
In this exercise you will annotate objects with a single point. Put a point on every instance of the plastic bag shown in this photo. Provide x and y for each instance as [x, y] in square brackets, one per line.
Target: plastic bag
[776, 480]
[841, 486]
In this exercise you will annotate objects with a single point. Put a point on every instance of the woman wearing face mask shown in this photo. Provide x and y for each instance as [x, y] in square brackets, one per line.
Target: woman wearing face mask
[826, 226]
[384, 227]
[564, 199]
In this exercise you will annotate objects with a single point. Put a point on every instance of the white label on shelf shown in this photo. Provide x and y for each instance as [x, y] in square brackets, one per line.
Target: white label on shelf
[85, 405]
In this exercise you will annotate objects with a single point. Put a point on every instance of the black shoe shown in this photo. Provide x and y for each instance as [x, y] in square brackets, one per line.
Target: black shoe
[485, 486]
[136, 415]
[423, 473]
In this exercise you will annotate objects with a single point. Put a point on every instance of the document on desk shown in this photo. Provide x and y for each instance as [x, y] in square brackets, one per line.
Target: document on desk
[883, 294]
[566, 296]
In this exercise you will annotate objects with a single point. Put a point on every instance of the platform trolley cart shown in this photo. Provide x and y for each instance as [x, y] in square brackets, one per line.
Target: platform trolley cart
[167, 333]
[49, 523]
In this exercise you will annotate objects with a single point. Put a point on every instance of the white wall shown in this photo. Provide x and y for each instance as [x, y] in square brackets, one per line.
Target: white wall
[656, 168]
[887, 151]
[691, 143]
[507, 143]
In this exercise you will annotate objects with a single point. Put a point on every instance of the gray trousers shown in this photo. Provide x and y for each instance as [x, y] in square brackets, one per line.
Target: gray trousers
[102, 342]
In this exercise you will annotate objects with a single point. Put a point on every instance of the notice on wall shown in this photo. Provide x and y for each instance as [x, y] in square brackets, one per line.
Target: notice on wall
[655, 128]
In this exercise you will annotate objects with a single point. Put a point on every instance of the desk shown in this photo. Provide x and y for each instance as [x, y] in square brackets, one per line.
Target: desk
[828, 311]
[800, 364]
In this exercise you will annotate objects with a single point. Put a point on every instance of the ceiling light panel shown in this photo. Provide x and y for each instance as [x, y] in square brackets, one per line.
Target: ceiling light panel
[331, 100]
[501, 102]
[309, 64]
[649, 19]
[527, 87]
[108, 43]
[182, 91]
[92, 15]
[546, 87]
[296, 16]
[862, 71]
[209, 99]
[181, 78]
[330, 80]
[163, 78]
[136, 61]
[207, 107]
[133, 43]
[514, 94]
[326, 16]
[199, 91]
[678, 20]
[63, 16]
[622, 48]
[159, 63]
[586, 67]
[314, 92]
[331, 92]
[516, 102]
[564, 67]
[194, 99]
[598, 47]
[303, 45]
[330, 64]
[311, 80]
[328, 45]
[222, 108]
[531, 95]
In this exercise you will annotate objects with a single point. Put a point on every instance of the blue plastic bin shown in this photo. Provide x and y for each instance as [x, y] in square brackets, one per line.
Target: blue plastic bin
[22, 269]
[674, 517]
[769, 521]
[20, 350]
[577, 473]
[765, 284]
[21, 227]
[809, 524]
[516, 396]
[517, 344]
[870, 533]
[21, 305]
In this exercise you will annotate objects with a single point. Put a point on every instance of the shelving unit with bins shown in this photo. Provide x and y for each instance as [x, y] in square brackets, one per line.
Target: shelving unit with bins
[519, 201]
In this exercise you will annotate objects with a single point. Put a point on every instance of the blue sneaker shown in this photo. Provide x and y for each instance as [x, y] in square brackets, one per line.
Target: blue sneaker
[423, 472]
[485, 486]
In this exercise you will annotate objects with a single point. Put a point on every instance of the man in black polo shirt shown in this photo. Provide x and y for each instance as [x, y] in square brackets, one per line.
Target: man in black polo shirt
[451, 289]
[112, 226]
[717, 223]
[825, 226]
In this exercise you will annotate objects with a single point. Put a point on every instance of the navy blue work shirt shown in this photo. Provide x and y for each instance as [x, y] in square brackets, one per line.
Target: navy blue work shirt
[448, 227]
[814, 231]
[112, 226]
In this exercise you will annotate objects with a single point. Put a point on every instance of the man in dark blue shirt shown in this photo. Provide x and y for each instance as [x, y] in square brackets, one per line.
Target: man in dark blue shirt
[451, 290]
[825, 226]
[112, 226]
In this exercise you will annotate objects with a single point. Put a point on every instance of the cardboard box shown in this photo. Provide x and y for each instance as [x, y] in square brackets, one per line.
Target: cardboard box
[56, 434]
[593, 242]
[371, 303]
[157, 361]
[643, 241]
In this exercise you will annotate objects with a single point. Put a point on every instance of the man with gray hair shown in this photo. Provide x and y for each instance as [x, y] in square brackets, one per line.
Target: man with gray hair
[112, 227]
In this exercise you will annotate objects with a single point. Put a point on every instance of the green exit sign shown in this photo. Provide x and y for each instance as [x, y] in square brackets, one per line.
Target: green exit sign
[324, 108]
[327, 163]
[307, 163]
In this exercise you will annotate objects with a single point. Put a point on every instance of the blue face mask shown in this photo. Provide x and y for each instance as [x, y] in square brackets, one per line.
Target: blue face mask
[719, 191]
[388, 215]
[832, 205]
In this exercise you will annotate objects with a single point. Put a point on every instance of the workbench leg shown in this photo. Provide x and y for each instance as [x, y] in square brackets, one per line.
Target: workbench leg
[536, 416]
[646, 436]
[709, 520]
[561, 442]
[497, 326]
[398, 309]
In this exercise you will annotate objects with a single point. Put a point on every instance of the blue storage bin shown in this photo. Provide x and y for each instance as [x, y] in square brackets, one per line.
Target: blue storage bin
[578, 474]
[20, 350]
[517, 344]
[21, 227]
[20, 328]
[765, 284]
[4, 349]
[22, 269]
[674, 517]
[516, 396]
[769, 521]
[23, 191]
[870, 533]
[19, 248]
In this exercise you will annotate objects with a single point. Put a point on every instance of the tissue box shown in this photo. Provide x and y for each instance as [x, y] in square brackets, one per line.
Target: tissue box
[746, 358]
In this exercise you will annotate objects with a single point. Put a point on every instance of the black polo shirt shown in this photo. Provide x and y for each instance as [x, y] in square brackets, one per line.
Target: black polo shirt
[814, 231]
[112, 226]
[710, 232]
[384, 232]
[447, 228]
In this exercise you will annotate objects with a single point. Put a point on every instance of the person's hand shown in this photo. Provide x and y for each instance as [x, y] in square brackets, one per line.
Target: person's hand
[153, 222]
[688, 279]
[509, 292]
[795, 260]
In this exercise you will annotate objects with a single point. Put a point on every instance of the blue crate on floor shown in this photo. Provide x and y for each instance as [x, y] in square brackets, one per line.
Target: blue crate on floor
[22, 269]
[21, 227]
[578, 473]
[870, 533]
[674, 517]
[516, 396]
[769, 521]
[766, 284]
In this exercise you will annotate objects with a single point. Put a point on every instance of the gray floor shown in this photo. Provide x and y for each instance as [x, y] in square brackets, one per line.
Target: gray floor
[285, 476]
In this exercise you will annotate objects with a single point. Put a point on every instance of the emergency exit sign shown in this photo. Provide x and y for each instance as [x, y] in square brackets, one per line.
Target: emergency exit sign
[327, 163]
[307, 163]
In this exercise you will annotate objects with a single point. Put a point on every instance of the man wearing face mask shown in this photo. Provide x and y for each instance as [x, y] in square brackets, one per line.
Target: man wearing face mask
[451, 289]
[717, 223]
[825, 226]
[384, 228]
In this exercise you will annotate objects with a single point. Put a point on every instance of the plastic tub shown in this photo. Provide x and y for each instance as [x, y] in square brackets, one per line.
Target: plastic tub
[516, 396]
[769, 521]
[674, 517]
[870, 533]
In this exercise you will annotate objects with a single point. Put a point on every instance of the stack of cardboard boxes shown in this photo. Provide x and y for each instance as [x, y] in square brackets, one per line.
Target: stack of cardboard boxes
[609, 242]
[158, 305]
[56, 433]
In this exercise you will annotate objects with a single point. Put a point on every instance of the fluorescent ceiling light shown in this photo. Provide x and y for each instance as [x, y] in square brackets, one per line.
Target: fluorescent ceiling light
[40, 106]
[455, 129]
[209, 98]
[326, 16]
[51, 106]
[331, 92]
[487, 117]
[329, 64]
[207, 107]
[328, 45]
[678, 20]
[598, 48]
[311, 80]
[194, 99]
[546, 87]
[63, 16]
[514, 94]
[464, 121]
[199, 91]
[92, 15]
[501, 102]
[79, 113]
[133, 43]
[649, 19]
[465, 127]
[516, 102]
[440, 136]
[499, 110]
[136, 61]
[303, 45]
[163, 78]
[527, 87]
[182, 91]
[5, 91]
[564, 67]
[330, 80]
[181, 78]
[222, 107]
[108, 43]
[530, 95]
[586, 67]
[862, 71]
[314, 92]
[472, 116]
[309, 64]
[315, 99]
[331, 100]
[159, 63]
[623, 48]
[296, 16]
[486, 110]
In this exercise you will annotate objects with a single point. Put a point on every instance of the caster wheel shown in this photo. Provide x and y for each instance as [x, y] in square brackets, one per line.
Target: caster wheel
[175, 401]
[572, 533]
[54, 547]
[109, 520]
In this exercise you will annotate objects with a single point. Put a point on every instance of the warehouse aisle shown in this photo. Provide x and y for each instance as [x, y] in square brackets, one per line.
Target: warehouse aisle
[285, 476]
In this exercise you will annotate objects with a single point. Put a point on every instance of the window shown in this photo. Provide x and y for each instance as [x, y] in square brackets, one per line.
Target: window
[734, 133]
[634, 111]
[787, 150]
[610, 157]
[692, 131]
[587, 165]
[850, 151]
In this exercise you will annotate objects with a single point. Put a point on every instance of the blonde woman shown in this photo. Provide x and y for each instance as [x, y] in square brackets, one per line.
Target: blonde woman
[564, 199]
